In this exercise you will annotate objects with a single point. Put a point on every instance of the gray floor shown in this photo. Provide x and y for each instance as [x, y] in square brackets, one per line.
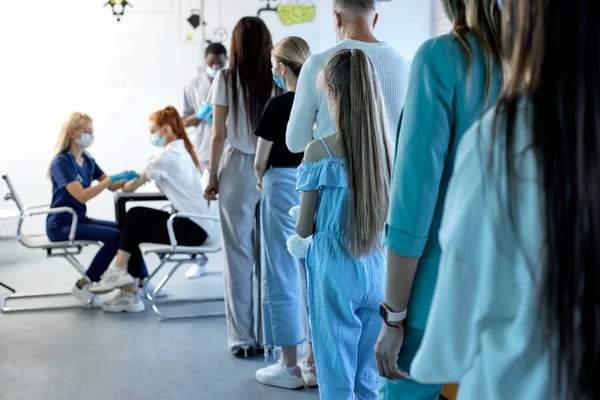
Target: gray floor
[89, 355]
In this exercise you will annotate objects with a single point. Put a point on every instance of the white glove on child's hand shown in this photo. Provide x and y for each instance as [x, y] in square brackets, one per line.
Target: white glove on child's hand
[295, 212]
[297, 246]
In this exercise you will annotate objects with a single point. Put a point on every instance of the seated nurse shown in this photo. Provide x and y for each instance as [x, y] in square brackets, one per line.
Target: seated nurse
[72, 172]
[176, 171]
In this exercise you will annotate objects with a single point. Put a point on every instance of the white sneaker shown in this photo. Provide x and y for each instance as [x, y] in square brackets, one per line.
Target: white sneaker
[279, 375]
[113, 278]
[197, 270]
[84, 295]
[124, 302]
[163, 292]
[309, 374]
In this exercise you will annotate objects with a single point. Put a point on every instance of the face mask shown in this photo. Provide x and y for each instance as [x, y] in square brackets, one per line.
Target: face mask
[211, 72]
[85, 140]
[500, 5]
[279, 81]
[157, 140]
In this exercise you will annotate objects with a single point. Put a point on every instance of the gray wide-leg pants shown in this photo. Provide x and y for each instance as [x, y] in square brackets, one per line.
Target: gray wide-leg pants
[238, 201]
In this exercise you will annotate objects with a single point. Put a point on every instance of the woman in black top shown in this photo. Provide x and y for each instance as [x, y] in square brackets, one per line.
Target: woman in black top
[275, 166]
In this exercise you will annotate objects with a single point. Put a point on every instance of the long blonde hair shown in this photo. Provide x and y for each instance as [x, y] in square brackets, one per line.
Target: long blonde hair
[74, 122]
[293, 52]
[483, 19]
[361, 122]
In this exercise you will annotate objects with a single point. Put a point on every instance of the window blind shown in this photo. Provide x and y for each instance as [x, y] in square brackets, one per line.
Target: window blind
[441, 23]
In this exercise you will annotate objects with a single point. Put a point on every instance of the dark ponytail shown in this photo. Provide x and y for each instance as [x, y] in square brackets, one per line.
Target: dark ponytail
[554, 57]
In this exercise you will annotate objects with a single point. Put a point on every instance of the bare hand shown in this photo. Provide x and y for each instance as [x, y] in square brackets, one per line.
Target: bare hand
[386, 352]
[212, 189]
[259, 186]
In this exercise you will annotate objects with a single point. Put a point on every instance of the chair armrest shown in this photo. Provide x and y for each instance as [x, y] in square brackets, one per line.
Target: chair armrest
[171, 220]
[37, 210]
[37, 206]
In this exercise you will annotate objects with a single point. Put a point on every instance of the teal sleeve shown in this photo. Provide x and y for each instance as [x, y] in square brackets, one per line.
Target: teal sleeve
[422, 145]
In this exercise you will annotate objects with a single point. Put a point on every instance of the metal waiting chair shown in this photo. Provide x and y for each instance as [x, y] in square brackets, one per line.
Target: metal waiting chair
[68, 249]
[179, 255]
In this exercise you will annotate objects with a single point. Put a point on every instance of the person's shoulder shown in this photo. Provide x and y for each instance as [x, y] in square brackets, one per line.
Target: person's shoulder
[281, 100]
[315, 151]
[315, 62]
[61, 158]
[222, 77]
[391, 53]
[437, 54]
[440, 47]
[201, 79]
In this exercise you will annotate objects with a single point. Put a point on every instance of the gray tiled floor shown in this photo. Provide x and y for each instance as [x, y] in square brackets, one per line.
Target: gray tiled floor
[89, 355]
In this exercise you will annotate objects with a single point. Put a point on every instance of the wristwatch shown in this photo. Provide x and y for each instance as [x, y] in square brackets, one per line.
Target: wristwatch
[390, 317]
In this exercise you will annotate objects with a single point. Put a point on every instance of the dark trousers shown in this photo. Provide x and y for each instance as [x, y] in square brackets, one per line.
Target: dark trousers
[148, 225]
[106, 232]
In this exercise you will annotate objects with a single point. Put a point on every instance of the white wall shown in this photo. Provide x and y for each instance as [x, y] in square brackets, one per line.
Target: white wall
[56, 58]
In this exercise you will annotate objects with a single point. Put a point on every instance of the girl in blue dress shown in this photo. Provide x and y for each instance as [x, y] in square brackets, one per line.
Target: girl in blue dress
[345, 180]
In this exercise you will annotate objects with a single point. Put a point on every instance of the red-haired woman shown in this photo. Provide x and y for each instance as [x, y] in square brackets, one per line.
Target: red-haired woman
[176, 172]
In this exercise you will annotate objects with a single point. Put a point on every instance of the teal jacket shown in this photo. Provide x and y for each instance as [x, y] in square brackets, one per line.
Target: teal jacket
[444, 99]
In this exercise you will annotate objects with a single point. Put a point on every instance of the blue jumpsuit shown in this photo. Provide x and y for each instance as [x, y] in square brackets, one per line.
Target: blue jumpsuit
[343, 294]
[444, 99]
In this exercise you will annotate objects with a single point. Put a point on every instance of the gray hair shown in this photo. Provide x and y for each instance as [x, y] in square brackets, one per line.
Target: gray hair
[351, 5]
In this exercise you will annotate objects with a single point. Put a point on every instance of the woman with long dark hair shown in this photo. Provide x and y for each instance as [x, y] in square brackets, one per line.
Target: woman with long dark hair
[455, 77]
[516, 309]
[238, 96]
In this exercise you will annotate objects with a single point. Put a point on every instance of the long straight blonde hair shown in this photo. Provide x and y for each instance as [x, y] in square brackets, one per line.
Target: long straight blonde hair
[361, 122]
[73, 123]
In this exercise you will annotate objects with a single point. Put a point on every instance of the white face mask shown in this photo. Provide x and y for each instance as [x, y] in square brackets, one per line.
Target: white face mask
[85, 140]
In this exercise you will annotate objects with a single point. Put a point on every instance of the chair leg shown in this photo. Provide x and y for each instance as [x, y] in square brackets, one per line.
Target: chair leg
[17, 296]
[147, 294]
[76, 264]
[155, 305]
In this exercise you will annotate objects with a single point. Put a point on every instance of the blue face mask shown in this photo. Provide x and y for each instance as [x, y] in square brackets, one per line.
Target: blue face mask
[279, 81]
[211, 72]
[500, 5]
[157, 140]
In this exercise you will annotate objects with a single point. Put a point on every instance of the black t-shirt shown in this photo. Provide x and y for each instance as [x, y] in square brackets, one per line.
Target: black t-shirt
[272, 127]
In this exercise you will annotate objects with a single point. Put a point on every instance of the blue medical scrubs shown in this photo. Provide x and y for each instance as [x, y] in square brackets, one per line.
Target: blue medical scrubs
[444, 99]
[63, 171]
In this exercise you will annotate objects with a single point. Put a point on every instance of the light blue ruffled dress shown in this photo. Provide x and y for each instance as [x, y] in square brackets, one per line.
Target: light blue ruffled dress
[343, 294]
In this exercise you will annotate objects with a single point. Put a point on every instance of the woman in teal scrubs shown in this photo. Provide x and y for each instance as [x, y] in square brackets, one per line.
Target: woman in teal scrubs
[454, 79]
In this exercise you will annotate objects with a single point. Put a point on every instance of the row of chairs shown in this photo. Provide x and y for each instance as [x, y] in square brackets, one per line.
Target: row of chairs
[170, 255]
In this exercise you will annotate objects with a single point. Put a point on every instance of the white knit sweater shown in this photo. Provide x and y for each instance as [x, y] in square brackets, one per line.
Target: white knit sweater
[310, 104]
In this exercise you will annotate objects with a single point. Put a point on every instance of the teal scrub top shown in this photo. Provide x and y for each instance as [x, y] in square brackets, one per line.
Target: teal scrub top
[444, 99]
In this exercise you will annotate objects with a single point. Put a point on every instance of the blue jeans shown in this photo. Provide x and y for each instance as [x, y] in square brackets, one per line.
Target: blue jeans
[282, 303]
[408, 389]
[106, 232]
